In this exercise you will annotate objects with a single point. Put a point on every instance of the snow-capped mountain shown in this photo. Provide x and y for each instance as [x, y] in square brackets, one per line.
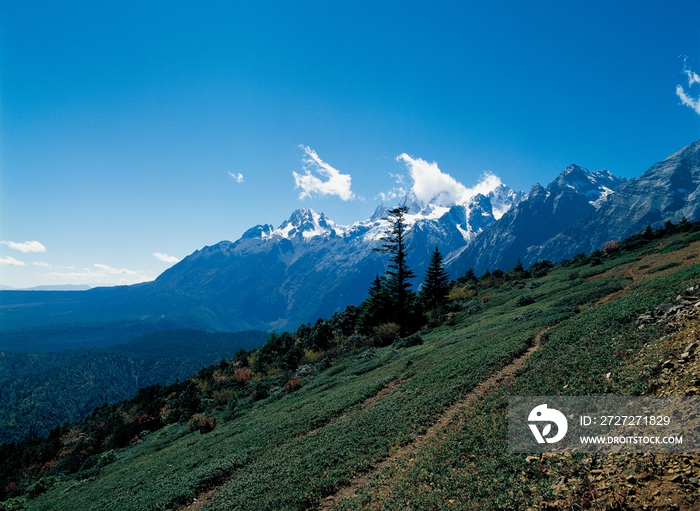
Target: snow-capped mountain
[304, 223]
[307, 268]
[595, 186]
[451, 228]
[544, 212]
[502, 199]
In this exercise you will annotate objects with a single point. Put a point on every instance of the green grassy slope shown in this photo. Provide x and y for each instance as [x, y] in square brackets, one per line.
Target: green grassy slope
[471, 463]
[290, 451]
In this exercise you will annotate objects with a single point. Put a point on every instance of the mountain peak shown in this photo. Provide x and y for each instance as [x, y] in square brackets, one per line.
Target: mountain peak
[502, 199]
[259, 231]
[595, 186]
[380, 213]
[300, 216]
[412, 202]
[306, 223]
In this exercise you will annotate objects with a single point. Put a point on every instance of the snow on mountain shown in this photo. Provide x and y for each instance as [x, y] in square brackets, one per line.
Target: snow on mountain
[544, 212]
[467, 220]
[309, 266]
[306, 223]
[595, 186]
[503, 198]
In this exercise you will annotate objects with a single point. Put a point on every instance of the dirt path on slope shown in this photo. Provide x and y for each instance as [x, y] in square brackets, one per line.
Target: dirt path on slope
[204, 496]
[202, 499]
[495, 380]
[638, 271]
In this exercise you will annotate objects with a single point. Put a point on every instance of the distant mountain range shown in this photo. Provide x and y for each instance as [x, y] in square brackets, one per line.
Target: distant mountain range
[56, 287]
[310, 267]
[544, 212]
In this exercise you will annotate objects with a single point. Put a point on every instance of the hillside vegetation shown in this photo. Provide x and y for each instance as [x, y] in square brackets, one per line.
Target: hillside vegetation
[39, 391]
[287, 426]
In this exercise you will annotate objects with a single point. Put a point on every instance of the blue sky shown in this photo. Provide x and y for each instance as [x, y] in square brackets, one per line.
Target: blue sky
[129, 129]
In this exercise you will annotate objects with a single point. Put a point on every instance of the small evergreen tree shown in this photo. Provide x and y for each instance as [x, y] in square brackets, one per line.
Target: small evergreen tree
[470, 276]
[376, 309]
[303, 333]
[399, 274]
[433, 294]
[242, 357]
[684, 225]
[518, 268]
[321, 336]
[343, 323]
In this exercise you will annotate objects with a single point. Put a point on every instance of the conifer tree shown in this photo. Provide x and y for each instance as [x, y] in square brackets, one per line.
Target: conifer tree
[376, 309]
[435, 286]
[684, 225]
[518, 268]
[398, 273]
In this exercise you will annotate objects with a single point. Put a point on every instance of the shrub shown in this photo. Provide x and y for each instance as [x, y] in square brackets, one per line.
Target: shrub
[663, 267]
[353, 342]
[610, 247]
[221, 397]
[201, 423]
[42, 486]
[577, 260]
[190, 400]
[541, 268]
[435, 317]
[386, 333]
[524, 300]
[323, 364]
[232, 402]
[206, 425]
[259, 393]
[243, 375]
[461, 293]
[411, 340]
[107, 457]
[293, 385]
[15, 504]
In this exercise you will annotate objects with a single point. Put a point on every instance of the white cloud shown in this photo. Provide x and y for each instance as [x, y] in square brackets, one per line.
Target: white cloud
[687, 100]
[98, 274]
[336, 183]
[430, 184]
[391, 194]
[114, 271]
[397, 177]
[237, 177]
[41, 263]
[165, 257]
[692, 76]
[684, 96]
[11, 261]
[27, 246]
